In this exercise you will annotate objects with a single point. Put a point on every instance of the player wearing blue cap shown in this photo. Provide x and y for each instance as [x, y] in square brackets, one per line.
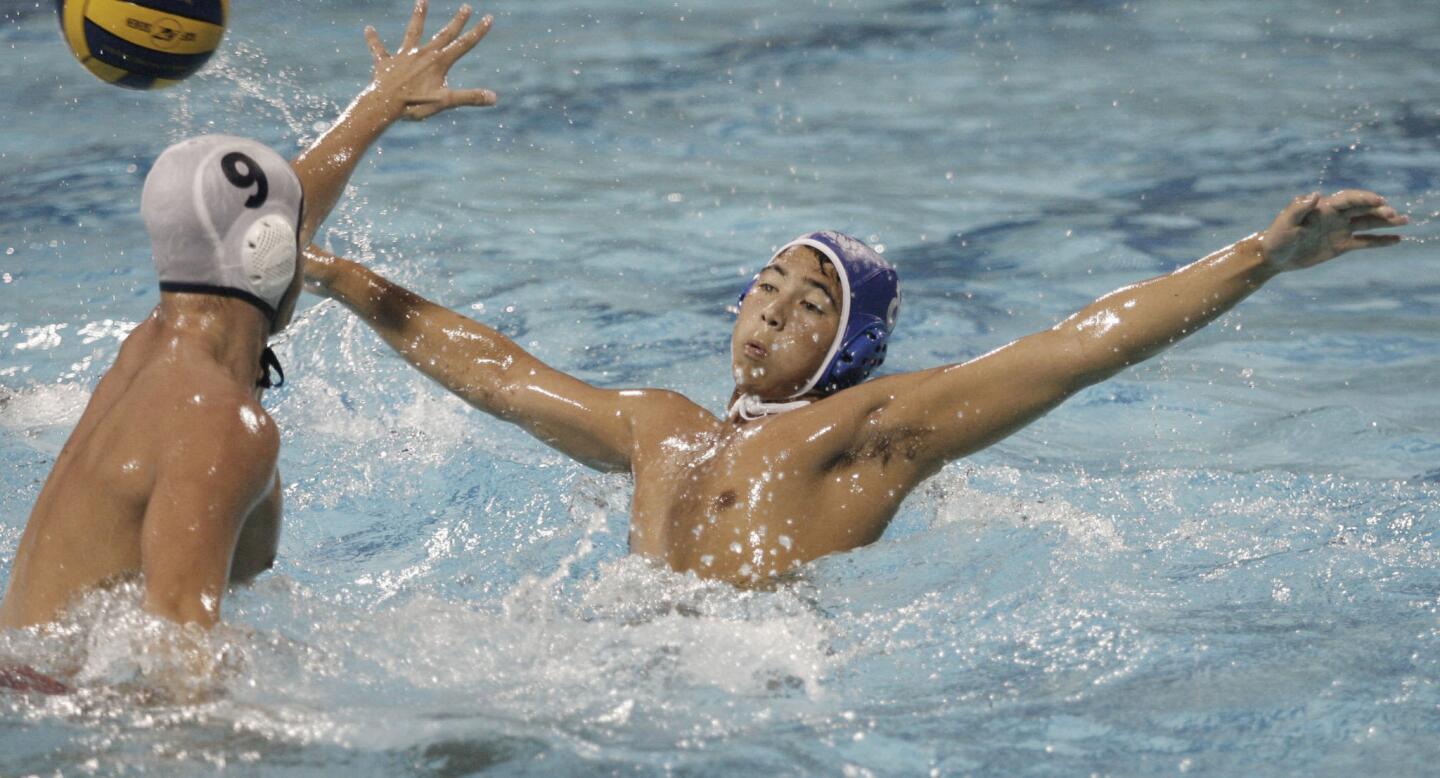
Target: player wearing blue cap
[810, 458]
[867, 303]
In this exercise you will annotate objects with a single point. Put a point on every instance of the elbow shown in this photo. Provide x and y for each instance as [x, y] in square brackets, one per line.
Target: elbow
[1097, 369]
[1089, 358]
[505, 397]
[501, 400]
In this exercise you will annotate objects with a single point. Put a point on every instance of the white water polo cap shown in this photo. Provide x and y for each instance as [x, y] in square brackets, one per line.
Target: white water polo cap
[223, 215]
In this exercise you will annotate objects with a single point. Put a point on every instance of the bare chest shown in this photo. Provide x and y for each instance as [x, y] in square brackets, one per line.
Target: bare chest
[744, 508]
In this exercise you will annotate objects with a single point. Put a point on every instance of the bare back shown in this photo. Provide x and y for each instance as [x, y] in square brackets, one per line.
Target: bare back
[88, 525]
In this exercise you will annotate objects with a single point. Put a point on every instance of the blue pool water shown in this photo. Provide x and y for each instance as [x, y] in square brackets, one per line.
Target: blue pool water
[1223, 562]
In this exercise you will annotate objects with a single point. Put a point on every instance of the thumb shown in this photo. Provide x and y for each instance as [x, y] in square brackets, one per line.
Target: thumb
[1298, 209]
[474, 97]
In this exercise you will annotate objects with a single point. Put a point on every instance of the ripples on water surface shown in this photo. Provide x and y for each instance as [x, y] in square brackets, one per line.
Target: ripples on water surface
[1223, 562]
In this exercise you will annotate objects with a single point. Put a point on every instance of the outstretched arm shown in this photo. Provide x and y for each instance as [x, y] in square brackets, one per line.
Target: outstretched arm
[487, 369]
[962, 408]
[408, 84]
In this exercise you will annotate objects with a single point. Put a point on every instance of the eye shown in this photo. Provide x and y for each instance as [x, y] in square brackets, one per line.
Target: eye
[812, 307]
[765, 287]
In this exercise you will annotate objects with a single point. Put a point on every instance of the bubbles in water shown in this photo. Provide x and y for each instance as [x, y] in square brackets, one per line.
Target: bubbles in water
[1422, 210]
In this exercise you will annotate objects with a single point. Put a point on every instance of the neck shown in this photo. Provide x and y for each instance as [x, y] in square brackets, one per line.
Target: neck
[231, 332]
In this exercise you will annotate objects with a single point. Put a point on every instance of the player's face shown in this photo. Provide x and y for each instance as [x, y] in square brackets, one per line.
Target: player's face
[786, 326]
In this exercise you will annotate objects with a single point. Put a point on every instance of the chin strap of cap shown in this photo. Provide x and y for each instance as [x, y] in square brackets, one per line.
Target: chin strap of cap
[268, 360]
[748, 407]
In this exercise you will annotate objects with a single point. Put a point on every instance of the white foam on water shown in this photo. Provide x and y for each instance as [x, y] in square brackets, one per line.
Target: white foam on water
[45, 406]
[958, 501]
[631, 651]
[103, 329]
[41, 337]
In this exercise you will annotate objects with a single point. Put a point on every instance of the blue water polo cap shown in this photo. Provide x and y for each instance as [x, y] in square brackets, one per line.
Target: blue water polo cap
[870, 301]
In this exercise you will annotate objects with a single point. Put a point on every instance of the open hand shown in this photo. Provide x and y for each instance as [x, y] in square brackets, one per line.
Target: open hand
[414, 76]
[1315, 229]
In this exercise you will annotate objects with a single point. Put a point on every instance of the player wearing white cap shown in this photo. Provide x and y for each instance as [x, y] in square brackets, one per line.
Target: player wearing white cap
[170, 474]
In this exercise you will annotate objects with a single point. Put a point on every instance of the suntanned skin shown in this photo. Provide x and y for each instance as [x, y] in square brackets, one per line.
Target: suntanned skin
[172, 455]
[743, 501]
[171, 471]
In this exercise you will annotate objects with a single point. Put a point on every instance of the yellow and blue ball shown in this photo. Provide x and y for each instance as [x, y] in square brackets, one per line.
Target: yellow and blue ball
[143, 44]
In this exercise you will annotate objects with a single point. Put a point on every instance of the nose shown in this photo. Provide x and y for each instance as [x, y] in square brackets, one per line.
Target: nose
[772, 315]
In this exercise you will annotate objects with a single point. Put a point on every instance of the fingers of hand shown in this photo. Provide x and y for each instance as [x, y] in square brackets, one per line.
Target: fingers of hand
[1370, 241]
[466, 42]
[1368, 223]
[480, 97]
[377, 49]
[450, 30]
[416, 26]
[1380, 218]
[425, 107]
[1347, 199]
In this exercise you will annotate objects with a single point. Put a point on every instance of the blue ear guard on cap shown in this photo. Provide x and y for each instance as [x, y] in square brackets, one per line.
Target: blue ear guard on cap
[870, 292]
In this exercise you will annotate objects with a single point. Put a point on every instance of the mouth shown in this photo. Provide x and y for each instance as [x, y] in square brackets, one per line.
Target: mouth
[754, 350]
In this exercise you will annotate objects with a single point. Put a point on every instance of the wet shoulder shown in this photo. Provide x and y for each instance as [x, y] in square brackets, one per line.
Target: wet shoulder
[840, 432]
[669, 431]
[210, 410]
[663, 412]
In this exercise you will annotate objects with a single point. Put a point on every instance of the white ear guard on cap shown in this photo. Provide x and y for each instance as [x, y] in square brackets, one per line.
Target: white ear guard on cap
[268, 254]
[222, 213]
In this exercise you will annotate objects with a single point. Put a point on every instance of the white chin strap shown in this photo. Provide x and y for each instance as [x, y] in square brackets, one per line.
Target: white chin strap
[748, 407]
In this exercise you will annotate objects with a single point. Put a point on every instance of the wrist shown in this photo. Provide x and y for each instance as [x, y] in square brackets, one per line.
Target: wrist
[321, 269]
[375, 108]
[1252, 249]
[390, 105]
[339, 147]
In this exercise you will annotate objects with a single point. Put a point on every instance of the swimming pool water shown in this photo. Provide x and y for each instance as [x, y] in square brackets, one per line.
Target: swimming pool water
[1222, 562]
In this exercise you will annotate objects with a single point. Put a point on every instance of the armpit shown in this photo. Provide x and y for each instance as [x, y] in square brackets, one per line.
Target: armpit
[905, 443]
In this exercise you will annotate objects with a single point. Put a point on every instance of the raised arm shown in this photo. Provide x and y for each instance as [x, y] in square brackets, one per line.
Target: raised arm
[959, 409]
[408, 84]
[487, 369]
